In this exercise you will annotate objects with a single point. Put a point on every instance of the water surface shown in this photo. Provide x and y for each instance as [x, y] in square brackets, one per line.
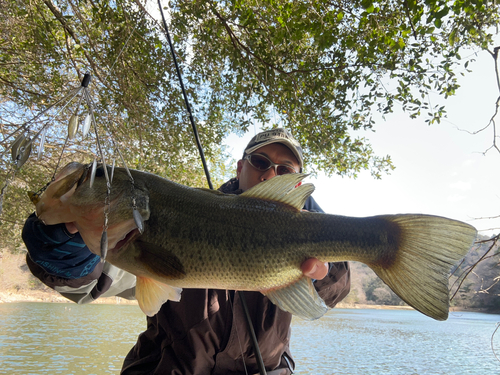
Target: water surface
[53, 338]
[354, 341]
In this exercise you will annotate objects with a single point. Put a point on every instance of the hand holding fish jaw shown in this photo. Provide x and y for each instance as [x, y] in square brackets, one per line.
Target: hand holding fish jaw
[117, 233]
[71, 200]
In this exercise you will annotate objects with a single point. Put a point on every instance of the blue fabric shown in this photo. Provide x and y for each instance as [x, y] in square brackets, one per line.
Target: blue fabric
[60, 254]
[312, 206]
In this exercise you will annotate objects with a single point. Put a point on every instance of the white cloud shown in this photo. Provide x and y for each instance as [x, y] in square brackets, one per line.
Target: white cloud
[460, 185]
[468, 162]
[456, 198]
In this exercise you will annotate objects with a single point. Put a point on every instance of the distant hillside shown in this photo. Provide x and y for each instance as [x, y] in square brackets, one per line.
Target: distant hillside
[18, 284]
[368, 289]
[481, 288]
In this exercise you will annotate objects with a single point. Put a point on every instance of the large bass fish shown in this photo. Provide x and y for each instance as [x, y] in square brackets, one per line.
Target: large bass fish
[197, 238]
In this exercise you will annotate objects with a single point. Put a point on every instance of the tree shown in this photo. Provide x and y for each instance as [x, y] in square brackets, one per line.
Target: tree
[318, 68]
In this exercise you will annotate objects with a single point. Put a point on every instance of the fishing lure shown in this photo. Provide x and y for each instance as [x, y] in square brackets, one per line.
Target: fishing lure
[72, 126]
[86, 125]
[42, 143]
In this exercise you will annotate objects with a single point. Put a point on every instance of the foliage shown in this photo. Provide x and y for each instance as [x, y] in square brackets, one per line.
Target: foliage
[368, 288]
[479, 272]
[319, 68]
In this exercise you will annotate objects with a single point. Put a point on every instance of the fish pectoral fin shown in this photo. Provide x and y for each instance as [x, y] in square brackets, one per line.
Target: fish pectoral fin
[152, 294]
[283, 189]
[160, 261]
[299, 298]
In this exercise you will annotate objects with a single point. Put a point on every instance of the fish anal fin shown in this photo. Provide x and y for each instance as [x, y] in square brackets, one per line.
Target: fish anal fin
[152, 294]
[299, 298]
[283, 189]
[160, 261]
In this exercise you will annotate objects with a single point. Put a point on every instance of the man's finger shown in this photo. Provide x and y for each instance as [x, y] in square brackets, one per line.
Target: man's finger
[71, 228]
[314, 268]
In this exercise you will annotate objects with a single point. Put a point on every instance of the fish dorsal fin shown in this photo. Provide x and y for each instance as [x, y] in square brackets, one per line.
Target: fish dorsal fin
[282, 189]
[152, 294]
[299, 298]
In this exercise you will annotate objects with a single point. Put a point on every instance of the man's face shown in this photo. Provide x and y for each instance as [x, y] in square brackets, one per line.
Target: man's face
[277, 153]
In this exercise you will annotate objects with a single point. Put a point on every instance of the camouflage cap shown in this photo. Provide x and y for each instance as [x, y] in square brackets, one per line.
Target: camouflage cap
[278, 135]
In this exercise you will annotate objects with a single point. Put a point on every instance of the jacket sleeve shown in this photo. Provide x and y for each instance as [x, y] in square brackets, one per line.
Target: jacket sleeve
[337, 283]
[62, 262]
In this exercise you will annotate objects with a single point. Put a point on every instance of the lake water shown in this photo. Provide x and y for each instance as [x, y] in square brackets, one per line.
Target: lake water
[50, 338]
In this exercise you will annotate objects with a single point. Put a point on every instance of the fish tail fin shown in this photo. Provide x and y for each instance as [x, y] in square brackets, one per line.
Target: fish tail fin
[152, 294]
[428, 246]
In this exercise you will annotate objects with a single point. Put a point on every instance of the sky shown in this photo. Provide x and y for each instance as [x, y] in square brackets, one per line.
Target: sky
[440, 169]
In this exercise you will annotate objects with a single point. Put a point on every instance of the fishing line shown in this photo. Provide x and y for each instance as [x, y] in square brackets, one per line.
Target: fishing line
[74, 128]
[24, 125]
[35, 196]
[492, 345]
[20, 156]
[230, 298]
[258, 356]
[195, 130]
[2, 192]
[24, 152]
[120, 53]
[139, 221]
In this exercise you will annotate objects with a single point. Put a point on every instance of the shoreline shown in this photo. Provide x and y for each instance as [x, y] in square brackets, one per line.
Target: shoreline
[50, 296]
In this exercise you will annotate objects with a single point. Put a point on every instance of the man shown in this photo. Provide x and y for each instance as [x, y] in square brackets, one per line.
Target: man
[206, 332]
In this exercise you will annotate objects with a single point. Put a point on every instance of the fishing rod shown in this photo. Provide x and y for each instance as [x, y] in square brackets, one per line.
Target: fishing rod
[188, 107]
[258, 355]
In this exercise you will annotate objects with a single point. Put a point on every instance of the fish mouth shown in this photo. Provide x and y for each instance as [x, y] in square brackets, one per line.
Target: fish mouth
[128, 238]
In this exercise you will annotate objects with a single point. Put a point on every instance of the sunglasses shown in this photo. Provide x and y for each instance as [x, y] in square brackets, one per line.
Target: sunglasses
[262, 163]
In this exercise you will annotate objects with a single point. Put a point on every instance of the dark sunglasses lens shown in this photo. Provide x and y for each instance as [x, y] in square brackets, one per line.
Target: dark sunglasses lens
[259, 162]
[281, 170]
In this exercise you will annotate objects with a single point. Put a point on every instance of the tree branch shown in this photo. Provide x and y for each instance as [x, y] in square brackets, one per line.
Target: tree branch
[465, 274]
[408, 15]
[11, 84]
[58, 15]
[236, 42]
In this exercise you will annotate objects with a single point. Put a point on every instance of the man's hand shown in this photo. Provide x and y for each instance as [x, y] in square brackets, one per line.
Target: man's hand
[314, 268]
[71, 228]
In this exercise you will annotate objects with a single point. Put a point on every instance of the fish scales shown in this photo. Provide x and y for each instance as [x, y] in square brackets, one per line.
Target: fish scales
[197, 238]
[226, 238]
